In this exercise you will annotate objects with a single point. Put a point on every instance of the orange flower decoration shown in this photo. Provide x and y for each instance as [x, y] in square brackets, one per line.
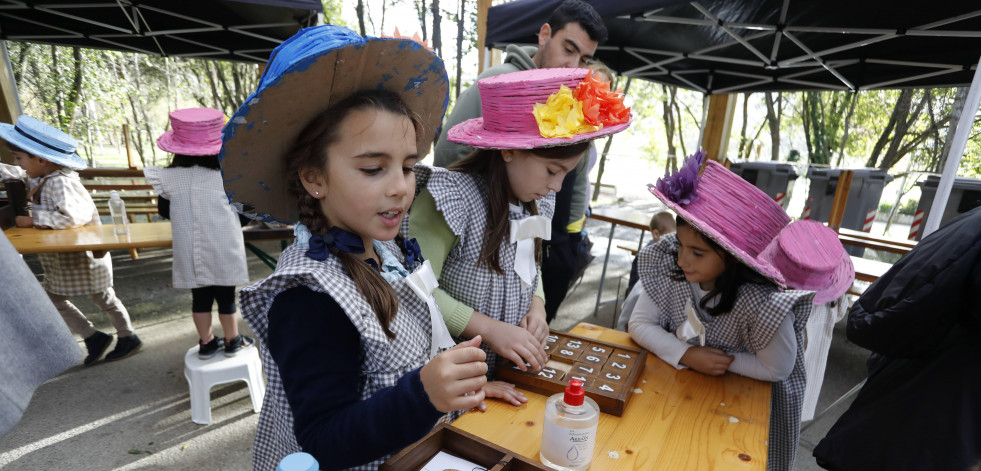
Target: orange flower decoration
[415, 37]
[600, 106]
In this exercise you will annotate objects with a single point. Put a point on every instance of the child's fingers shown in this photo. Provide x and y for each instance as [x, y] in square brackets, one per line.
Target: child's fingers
[474, 342]
[467, 386]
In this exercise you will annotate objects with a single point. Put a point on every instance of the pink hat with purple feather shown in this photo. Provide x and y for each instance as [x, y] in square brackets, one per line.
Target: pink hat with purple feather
[194, 131]
[542, 108]
[752, 227]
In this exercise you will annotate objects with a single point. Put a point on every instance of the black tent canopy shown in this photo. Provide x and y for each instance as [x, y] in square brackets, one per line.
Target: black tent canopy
[238, 30]
[735, 46]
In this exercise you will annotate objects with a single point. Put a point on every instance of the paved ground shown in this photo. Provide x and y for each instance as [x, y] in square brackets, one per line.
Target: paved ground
[135, 414]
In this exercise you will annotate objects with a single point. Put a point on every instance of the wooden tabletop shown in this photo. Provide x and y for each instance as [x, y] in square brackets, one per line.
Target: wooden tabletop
[82, 239]
[683, 420]
[623, 217]
[869, 270]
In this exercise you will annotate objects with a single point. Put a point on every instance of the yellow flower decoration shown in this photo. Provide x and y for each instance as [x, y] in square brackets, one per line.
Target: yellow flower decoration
[561, 116]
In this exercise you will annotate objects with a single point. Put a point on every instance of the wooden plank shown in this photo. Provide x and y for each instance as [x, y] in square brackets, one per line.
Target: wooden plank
[715, 132]
[9, 105]
[89, 238]
[623, 218]
[109, 187]
[881, 239]
[840, 200]
[871, 244]
[111, 173]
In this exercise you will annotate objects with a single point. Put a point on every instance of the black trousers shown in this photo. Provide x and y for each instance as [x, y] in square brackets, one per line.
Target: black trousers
[558, 270]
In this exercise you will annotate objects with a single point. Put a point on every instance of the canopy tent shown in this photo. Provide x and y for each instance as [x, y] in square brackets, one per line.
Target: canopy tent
[238, 30]
[736, 46]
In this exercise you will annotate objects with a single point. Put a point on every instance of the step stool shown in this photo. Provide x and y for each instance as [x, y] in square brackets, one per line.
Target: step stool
[201, 375]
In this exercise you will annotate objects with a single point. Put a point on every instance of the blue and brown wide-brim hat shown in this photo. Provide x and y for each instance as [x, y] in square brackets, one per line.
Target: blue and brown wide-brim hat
[43, 140]
[306, 74]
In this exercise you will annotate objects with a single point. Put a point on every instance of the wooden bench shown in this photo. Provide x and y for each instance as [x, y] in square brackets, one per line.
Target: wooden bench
[133, 189]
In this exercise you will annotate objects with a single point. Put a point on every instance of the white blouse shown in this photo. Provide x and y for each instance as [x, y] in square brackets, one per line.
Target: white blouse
[773, 363]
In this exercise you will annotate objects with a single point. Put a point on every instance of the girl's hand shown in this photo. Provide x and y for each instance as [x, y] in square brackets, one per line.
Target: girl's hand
[24, 221]
[707, 360]
[451, 378]
[516, 344]
[503, 391]
[534, 321]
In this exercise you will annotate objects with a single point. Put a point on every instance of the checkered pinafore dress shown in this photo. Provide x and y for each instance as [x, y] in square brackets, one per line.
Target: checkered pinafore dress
[462, 200]
[384, 361]
[750, 325]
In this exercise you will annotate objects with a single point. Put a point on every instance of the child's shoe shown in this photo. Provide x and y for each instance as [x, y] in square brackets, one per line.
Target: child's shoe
[233, 346]
[207, 350]
[96, 344]
[125, 346]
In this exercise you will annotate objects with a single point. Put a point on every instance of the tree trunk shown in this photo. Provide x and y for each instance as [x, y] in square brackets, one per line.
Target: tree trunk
[437, 36]
[421, 11]
[844, 136]
[773, 116]
[743, 142]
[606, 149]
[804, 116]
[669, 125]
[25, 53]
[955, 117]
[360, 10]
[58, 99]
[680, 122]
[901, 109]
[460, 19]
[75, 93]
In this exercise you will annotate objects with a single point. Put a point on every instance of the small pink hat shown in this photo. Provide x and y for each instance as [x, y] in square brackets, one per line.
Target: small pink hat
[507, 104]
[811, 257]
[752, 227]
[194, 131]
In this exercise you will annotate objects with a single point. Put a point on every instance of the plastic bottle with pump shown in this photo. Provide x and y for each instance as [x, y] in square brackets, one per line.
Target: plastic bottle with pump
[299, 461]
[569, 432]
[117, 209]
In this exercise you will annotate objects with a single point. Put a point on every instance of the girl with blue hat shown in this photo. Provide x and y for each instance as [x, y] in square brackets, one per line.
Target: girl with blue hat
[358, 360]
[46, 161]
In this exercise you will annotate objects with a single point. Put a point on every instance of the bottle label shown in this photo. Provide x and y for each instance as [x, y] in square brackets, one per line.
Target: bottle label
[566, 447]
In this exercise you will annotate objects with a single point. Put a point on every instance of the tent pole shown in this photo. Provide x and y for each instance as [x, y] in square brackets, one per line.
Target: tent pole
[9, 100]
[961, 134]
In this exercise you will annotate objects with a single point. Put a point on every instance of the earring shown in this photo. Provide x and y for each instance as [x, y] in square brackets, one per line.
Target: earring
[507, 157]
[316, 193]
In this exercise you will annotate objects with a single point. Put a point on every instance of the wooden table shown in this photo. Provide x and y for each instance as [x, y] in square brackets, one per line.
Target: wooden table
[89, 238]
[141, 235]
[623, 218]
[869, 270]
[863, 239]
[682, 420]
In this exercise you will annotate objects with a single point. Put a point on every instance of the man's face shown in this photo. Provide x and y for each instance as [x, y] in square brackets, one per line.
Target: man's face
[568, 47]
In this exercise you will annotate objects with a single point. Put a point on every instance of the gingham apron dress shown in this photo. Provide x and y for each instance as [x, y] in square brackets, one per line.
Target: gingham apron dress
[462, 200]
[68, 273]
[750, 325]
[384, 361]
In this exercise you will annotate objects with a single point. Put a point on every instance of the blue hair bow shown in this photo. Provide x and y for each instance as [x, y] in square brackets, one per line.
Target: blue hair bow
[413, 253]
[340, 239]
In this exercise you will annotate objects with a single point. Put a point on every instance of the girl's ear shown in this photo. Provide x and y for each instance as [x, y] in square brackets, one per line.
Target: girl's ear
[507, 153]
[313, 181]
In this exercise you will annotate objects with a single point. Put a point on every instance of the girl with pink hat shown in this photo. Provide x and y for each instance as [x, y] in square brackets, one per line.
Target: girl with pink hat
[209, 253]
[358, 360]
[711, 296]
[483, 218]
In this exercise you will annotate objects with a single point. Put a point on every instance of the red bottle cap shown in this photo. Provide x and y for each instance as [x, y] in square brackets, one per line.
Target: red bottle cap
[574, 393]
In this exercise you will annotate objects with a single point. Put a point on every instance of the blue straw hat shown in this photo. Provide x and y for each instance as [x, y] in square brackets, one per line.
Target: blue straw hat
[44, 141]
[306, 74]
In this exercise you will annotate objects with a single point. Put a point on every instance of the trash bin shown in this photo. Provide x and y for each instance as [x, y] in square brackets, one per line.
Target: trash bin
[863, 198]
[965, 195]
[774, 178]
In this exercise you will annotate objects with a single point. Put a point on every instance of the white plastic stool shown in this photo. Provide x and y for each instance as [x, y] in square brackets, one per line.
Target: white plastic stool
[203, 374]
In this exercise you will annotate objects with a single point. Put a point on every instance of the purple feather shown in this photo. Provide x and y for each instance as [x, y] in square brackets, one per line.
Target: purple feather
[680, 186]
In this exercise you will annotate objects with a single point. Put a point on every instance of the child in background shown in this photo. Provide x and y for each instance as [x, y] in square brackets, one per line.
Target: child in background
[350, 334]
[209, 253]
[662, 223]
[710, 295]
[482, 220]
[46, 161]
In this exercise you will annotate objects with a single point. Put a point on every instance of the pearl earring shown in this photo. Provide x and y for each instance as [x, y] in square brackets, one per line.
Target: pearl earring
[316, 193]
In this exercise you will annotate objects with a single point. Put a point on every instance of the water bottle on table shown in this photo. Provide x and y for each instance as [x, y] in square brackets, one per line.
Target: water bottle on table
[117, 209]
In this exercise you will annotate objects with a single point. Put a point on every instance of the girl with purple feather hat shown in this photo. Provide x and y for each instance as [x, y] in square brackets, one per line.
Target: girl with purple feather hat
[711, 296]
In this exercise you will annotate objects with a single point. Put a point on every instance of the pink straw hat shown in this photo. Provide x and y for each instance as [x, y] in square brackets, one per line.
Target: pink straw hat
[194, 131]
[510, 120]
[752, 227]
[739, 217]
[811, 257]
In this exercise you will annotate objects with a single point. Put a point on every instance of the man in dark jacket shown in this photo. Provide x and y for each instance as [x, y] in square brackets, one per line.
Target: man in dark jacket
[920, 408]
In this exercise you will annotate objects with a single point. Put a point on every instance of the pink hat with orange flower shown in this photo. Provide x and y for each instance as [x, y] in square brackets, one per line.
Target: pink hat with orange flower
[751, 226]
[542, 108]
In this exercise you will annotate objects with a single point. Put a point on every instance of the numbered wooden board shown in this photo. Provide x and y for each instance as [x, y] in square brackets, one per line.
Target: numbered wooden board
[608, 371]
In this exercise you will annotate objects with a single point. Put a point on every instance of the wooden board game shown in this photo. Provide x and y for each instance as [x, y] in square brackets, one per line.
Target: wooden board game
[447, 438]
[608, 371]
